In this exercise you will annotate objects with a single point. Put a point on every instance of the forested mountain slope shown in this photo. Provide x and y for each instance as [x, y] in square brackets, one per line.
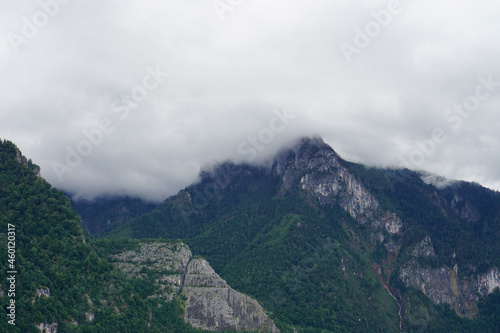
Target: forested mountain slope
[56, 281]
[331, 246]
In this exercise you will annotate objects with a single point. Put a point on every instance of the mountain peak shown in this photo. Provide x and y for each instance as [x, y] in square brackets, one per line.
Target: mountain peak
[307, 143]
[307, 153]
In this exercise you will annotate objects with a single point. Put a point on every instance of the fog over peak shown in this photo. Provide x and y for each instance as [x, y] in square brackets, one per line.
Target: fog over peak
[125, 97]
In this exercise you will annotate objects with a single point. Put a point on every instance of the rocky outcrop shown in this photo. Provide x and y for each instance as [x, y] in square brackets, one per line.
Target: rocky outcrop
[314, 167]
[424, 249]
[42, 291]
[211, 304]
[389, 222]
[169, 259]
[464, 209]
[47, 328]
[318, 170]
[39, 292]
[24, 161]
[157, 256]
[488, 282]
[89, 316]
[444, 285]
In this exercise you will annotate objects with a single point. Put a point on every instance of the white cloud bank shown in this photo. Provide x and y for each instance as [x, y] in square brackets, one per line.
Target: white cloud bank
[72, 70]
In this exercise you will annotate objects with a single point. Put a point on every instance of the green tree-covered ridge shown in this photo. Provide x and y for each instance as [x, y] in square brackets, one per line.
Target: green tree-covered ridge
[60, 279]
[315, 267]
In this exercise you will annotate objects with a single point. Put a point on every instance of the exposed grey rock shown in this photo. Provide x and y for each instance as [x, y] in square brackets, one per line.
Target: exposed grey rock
[168, 259]
[42, 291]
[318, 170]
[314, 167]
[157, 256]
[377, 237]
[464, 209]
[390, 222]
[488, 282]
[211, 304]
[201, 275]
[391, 247]
[440, 285]
[424, 248]
[444, 285]
[21, 159]
[47, 328]
[89, 316]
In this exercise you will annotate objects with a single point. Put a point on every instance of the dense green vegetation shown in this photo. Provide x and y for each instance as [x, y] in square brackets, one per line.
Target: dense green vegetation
[284, 252]
[312, 266]
[474, 241]
[53, 257]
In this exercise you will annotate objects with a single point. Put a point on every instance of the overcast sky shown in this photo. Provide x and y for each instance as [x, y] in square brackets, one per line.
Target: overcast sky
[134, 97]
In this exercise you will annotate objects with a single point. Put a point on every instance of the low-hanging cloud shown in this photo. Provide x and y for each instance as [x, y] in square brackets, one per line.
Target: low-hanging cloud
[84, 79]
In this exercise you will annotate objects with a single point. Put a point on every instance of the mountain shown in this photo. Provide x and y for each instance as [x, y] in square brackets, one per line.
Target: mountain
[311, 243]
[57, 280]
[331, 246]
[106, 212]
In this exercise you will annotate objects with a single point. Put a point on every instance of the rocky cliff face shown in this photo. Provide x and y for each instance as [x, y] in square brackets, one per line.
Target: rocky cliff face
[464, 209]
[213, 305]
[444, 284]
[314, 166]
[388, 214]
[168, 259]
[47, 328]
[210, 303]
